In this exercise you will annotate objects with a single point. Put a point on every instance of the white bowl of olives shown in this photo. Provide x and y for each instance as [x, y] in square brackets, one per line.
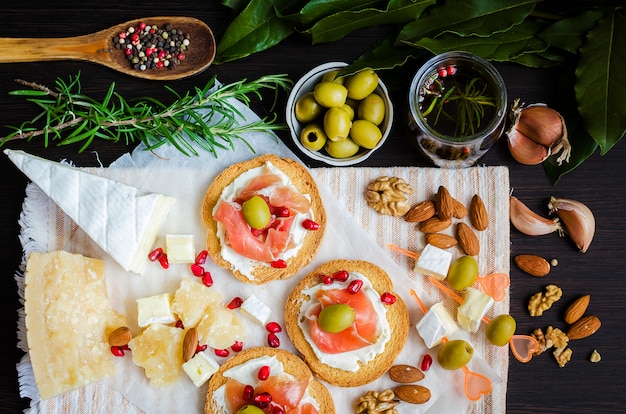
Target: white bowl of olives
[340, 121]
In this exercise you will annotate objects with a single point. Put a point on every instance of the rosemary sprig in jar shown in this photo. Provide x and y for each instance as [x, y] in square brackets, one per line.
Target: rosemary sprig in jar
[207, 116]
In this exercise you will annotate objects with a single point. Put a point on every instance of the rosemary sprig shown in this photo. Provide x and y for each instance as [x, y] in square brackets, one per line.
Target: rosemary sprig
[207, 116]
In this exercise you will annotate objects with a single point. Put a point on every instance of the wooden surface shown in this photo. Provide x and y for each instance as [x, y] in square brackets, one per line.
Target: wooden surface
[536, 387]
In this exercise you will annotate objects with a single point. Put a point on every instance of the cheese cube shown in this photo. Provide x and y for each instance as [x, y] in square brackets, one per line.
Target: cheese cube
[434, 262]
[200, 368]
[256, 309]
[180, 248]
[474, 307]
[155, 309]
[435, 325]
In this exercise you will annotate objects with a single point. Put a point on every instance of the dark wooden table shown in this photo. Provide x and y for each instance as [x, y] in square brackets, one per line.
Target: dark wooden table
[536, 387]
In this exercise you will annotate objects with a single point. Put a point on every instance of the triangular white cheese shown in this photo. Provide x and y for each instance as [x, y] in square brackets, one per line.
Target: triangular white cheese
[122, 219]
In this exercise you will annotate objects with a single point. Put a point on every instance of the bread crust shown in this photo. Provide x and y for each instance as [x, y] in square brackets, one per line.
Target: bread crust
[397, 315]
[302, 180]
[292, 364]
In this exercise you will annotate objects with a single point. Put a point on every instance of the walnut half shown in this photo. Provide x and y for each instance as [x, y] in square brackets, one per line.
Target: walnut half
[541, 302]
[387, 195]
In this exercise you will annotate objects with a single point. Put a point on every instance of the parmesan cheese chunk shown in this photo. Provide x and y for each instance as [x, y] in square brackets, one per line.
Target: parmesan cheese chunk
[68, 320]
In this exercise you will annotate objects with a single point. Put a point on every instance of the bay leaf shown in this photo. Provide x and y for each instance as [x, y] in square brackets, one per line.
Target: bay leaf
[601, 81]
[315, 10]
[568, 33]
[467, 17]
[340, 24]
[256, 28]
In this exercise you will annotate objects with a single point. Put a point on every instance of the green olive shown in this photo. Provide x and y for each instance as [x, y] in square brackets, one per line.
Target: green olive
[330, 94]
[361, 84]
[256, 212]
[500, 329]
[313, 137]
[336, 124]
[336, 318]
[307, 108]
[349, 110]
[332, 77]
[372, 108]
[462, 272]
[250, 409]
[455, 354]
[365, 133]
[341, 149]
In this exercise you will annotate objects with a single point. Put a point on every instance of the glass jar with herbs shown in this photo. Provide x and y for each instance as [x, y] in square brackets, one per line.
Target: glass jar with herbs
[457, 109]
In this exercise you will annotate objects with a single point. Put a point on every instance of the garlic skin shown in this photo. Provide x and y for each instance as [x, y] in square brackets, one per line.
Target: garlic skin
[530, 223]
[578, 219]
[536, 133]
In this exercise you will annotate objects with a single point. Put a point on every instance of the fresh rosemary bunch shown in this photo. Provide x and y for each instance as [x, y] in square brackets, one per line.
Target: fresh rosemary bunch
[207, 116]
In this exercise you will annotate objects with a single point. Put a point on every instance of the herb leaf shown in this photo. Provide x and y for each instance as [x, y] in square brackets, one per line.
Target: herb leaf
[601, 81]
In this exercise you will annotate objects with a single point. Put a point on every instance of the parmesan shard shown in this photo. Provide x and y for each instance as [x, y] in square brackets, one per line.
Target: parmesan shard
[123, 220]
[68, 320]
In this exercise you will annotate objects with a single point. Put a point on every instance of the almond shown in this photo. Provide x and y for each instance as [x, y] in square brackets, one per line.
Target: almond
[458, 209]
[420, 212]
[478, 213]
[434, 225]
[468, 242]
[414, 394]
[532, 264]
[577, 309]
[120, 336]
[405, 374]
[443, 203]
[584, 327]
[443, 241]
[190, 344]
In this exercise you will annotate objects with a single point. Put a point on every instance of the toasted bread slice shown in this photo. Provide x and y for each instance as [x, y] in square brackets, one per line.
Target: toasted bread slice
[304, 183]
[397, 316]
[292, 365]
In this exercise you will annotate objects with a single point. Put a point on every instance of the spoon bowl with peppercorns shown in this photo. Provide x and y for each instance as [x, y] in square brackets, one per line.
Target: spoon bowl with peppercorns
[156, 48]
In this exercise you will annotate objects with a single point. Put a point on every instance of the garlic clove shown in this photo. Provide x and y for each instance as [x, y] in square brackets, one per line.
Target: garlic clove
[530, 223]
[537, 125]
[578, 219]
[524, 150]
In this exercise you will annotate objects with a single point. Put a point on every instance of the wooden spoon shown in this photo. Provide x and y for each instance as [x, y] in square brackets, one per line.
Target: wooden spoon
[99, 48]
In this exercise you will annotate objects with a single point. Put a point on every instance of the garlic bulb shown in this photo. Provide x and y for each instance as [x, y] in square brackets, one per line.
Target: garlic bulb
[528, 222]
[536, 133]
[578, 219]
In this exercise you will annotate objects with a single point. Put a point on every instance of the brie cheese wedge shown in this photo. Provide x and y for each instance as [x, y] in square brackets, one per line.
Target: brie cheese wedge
[474, 307]
[436, 324]
[434, 262]
[123, 220]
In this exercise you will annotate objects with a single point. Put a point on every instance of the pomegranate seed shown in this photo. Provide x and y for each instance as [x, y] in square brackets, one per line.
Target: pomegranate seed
[257, 232]
[387, 298]
[273, 327]
[201, 348]
[201, 257]
[197, 270]
[355, 286]
[325, 279]
[235, 303]
[264, 397]
[310, 225]
[279, 264]
[272, 340]
[207, 279]
[341, 275]
[180, 324]
[427, 361]
[442, 72]
[154, 254]
[277, 410]
[237, 346]
[222, 352]
[165, 263]
[264, 372]
[280, 211]
[117, 351]
[451, 69]
[248, 392]
[125, 347]
[262, 405]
